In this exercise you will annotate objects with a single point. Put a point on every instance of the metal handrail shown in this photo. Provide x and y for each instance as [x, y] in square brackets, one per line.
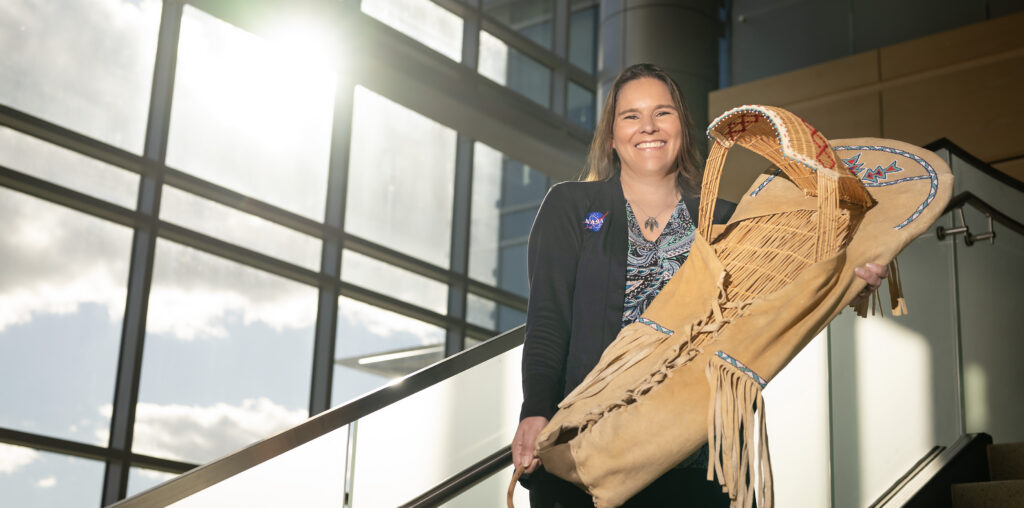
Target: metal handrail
[931, 476]
[221, 469]
[967, 198]
[463, 480]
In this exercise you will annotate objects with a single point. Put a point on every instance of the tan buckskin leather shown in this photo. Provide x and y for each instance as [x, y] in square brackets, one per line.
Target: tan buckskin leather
[742, 306]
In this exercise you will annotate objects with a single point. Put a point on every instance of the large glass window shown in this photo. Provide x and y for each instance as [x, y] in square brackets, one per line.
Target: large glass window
[510, 67]
[253, 115]
[580, 106]
[400, 179]
[84, 64]
[62, 294]
[31, 477]
[532, 18]
[228, 356]
[423, 20]
[395, 282]
[583, 35]
[492, 316]
[61, 166]
[226, 223]
[374, 346]
[141, 479]
[506, 196]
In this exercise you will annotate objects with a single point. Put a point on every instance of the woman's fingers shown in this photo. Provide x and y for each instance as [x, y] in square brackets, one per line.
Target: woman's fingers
[525, 440]
[872, 273]
[534, 464]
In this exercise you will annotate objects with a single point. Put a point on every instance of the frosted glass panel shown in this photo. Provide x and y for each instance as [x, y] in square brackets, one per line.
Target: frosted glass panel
[894, 379]
[796, 402]
[310, 476]
[440, 431]
[490, 493]
[990, 280]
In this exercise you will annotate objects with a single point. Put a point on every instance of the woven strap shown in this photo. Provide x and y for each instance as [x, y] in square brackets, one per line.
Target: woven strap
[826, 243]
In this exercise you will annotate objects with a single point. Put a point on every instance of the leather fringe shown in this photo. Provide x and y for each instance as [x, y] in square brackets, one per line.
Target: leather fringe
[896, 298]
[736, 409]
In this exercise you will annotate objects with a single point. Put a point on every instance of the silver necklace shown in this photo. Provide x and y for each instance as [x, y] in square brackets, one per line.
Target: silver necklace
[651, 223]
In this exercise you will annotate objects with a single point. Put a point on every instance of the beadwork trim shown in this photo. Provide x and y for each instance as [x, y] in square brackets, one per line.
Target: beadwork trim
[656, 326]
[742, 368]
[932, 175]
[781, 134]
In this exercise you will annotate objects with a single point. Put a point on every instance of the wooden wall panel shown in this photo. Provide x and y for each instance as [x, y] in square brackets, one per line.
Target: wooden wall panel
[952, 47]
[1014, 168]
[817, 81]
[964, 85]
[978, 108]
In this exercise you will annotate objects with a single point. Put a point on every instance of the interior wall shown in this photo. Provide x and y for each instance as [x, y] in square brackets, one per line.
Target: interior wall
[774, 36]
[962, 84]
[989, 278]
[894, 388]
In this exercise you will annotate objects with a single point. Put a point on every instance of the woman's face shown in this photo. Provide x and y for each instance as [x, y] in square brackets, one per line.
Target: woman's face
[646, 131]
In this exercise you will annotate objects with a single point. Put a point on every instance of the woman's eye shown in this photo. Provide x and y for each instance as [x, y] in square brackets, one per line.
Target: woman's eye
[663, 113]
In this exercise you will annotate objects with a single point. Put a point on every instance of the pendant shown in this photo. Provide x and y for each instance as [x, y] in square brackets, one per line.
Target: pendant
[651, 223]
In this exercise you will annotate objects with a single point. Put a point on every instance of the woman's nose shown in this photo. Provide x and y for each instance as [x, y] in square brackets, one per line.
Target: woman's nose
[648, 125]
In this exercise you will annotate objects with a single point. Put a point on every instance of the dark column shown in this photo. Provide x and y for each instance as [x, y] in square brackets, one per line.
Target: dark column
[681, 36]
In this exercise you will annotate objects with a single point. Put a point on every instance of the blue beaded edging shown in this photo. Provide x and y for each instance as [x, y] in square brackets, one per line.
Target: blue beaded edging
[742, 368]
[932, 175]
[656, 326]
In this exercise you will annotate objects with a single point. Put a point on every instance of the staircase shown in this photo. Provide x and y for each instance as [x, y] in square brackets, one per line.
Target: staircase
[1005, 485]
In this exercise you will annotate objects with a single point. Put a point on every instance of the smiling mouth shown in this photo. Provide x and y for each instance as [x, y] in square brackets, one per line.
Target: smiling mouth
[650, 144]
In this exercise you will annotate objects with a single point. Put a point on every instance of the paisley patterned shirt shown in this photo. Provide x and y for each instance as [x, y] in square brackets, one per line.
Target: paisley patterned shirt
[649, 265]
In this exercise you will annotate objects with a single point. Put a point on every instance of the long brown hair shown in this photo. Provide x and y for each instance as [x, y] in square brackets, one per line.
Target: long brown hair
[603, 162]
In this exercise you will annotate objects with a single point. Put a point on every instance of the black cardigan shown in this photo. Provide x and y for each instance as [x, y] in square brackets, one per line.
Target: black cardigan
[577, 287]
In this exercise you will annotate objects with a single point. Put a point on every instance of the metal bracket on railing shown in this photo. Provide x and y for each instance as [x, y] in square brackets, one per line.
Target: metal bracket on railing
[969, 239]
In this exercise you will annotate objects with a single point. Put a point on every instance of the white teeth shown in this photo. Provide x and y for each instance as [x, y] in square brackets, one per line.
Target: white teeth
[650, 144]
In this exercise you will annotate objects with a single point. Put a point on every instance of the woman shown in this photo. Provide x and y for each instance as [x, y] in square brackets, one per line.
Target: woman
[599, 252]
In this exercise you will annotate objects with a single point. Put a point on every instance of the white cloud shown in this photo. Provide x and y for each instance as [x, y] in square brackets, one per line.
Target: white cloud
[387, 326]
[48, 482]
[195, 294]
[39, 276]
[203, 433]
[13, 458]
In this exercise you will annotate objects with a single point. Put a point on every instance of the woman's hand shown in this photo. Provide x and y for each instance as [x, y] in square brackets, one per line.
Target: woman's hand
[873, 273]
[525, 441]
